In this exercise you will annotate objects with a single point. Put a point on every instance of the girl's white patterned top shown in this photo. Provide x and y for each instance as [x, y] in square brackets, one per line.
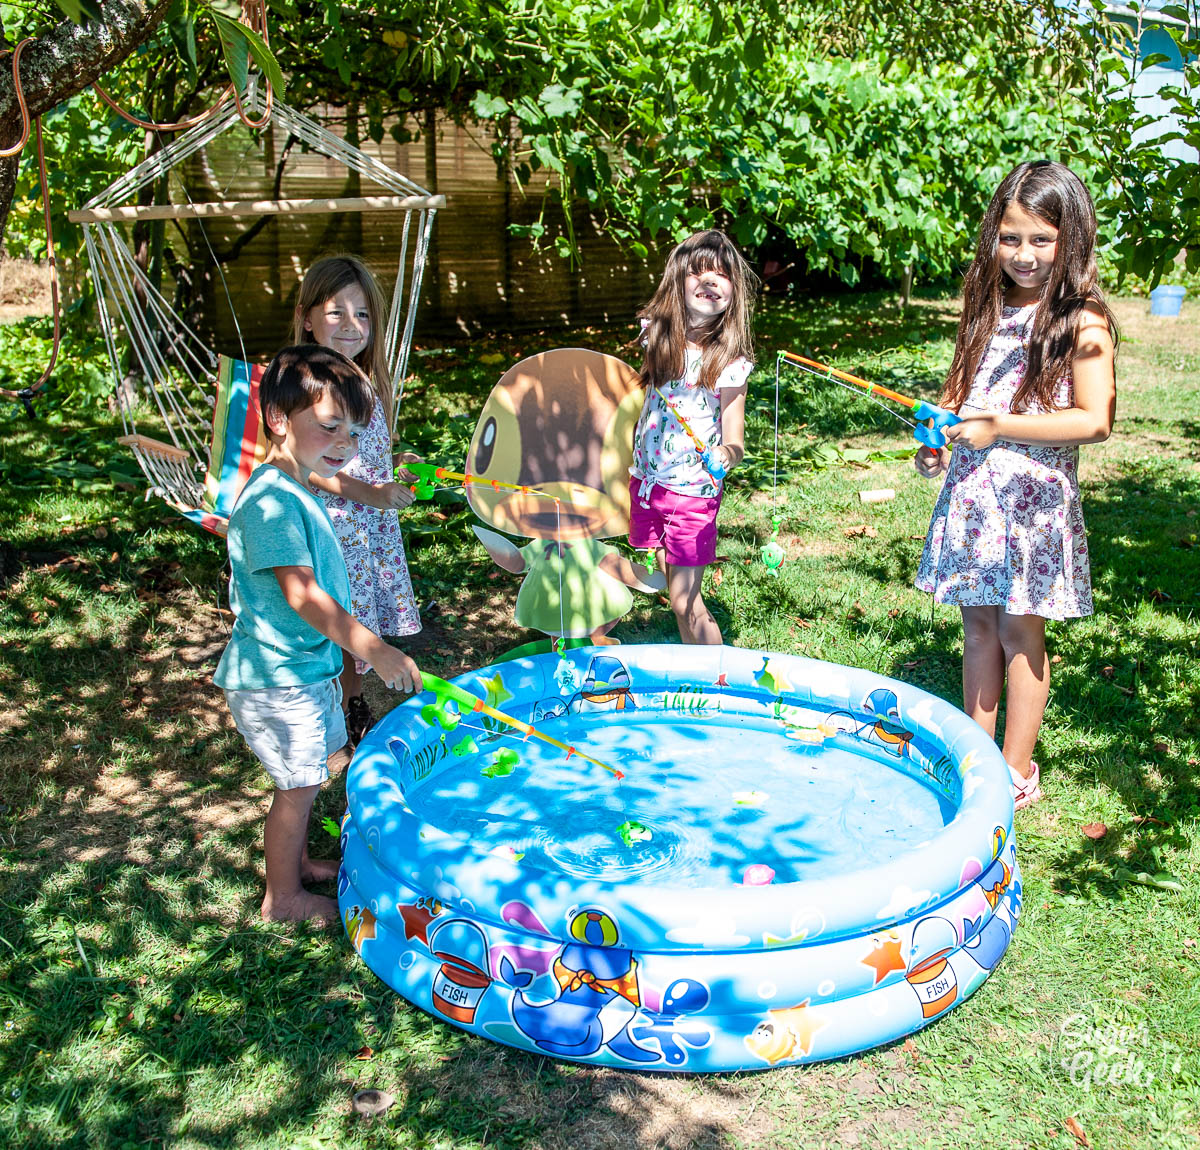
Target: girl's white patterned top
[381, 591]
[663, 453]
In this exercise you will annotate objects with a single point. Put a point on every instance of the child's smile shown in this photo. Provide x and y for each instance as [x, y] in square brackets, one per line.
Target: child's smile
[706, 295]
[1026, 247]
[342, 322]
[320, 440]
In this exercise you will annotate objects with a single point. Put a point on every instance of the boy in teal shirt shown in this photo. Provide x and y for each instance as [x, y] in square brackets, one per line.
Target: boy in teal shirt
[291, 598]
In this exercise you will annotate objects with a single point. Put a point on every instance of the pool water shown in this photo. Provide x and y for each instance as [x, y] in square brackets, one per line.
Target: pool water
[714, 798]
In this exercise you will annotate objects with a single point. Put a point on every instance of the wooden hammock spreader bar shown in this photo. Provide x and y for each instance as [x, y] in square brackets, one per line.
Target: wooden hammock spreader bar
[257, 208]
[155, 447]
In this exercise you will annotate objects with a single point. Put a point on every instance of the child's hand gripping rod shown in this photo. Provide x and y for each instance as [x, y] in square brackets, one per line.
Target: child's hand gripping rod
[444, 691]
[931, 418]
[714, 467]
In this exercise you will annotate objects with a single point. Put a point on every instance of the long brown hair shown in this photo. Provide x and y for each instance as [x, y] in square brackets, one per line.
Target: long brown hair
[726, 338]
[1053, 193]
[325, 279]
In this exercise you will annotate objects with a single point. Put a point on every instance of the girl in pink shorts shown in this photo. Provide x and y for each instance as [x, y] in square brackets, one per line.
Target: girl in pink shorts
[698, 354]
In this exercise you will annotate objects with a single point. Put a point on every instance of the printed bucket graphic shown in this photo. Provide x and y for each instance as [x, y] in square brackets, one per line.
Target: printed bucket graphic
[460, 982]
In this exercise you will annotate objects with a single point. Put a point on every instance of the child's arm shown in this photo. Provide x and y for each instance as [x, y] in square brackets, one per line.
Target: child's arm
[383, 496]
[1091, 418]
[321, 611]
[733, 425]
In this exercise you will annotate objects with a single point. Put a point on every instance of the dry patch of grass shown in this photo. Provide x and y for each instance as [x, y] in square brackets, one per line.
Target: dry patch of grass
[24, 289]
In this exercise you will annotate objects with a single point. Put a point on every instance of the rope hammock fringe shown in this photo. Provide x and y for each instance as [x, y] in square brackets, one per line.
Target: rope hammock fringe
[179, 371]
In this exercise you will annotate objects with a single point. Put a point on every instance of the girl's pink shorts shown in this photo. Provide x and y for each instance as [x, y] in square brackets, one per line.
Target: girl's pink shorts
[685, 526]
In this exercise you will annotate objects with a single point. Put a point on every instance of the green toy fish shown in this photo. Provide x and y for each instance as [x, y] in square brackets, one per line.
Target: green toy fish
[504, 763]
[634, 832]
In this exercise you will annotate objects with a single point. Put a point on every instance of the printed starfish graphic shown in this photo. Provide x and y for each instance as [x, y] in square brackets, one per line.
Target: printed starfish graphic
[774, 682]
[803, 1023]
[886, 956]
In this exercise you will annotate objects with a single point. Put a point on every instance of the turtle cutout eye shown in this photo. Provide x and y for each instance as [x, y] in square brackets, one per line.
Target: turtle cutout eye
[487, 445]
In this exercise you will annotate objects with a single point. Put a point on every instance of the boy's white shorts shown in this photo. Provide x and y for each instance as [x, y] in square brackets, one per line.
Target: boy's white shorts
[292, 730]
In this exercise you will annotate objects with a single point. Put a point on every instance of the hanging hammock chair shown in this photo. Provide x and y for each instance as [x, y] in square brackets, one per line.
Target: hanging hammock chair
[206, 404]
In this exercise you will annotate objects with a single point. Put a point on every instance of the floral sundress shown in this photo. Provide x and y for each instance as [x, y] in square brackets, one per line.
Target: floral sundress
[1007, 529]
[381, 592]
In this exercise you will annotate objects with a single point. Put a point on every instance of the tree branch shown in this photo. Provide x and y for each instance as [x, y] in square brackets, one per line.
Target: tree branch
[68, 58]
[61, 63]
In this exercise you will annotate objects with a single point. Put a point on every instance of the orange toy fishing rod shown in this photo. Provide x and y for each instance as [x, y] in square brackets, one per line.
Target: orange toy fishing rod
[931, 419]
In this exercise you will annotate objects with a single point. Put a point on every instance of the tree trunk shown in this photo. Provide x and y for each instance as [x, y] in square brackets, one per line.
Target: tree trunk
[64, 61]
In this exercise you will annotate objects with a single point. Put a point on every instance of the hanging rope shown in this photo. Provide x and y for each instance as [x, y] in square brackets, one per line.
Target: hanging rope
[25, 395]
[254, 15]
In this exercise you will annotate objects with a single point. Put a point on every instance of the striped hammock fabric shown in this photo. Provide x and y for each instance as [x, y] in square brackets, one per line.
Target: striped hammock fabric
[238, 443]
[238, 446]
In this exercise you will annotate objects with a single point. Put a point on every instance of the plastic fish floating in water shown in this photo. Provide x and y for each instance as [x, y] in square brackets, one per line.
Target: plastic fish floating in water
[508, 853]
[634, 832]
[503, 764]
[758, 874]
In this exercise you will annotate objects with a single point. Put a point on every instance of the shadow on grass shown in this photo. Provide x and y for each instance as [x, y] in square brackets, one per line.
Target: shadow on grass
[1125, 684]
[1130, 681]
[147, 1002]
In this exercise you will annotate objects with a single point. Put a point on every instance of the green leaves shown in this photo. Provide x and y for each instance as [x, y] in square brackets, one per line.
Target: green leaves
[80, 11]
[559, 102]
[240, 44]
[486, 107]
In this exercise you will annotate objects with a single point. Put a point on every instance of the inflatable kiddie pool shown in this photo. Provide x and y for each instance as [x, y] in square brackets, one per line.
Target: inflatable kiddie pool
[798, 861]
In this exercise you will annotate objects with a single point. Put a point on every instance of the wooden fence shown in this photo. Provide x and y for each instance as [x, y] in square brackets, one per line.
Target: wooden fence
[479, 276]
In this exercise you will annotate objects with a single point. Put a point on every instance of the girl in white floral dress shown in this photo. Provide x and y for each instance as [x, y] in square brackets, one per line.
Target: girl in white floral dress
[1032, 377]
[340, 306]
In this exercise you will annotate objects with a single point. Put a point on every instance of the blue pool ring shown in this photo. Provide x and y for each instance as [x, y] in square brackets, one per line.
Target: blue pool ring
[667, 977]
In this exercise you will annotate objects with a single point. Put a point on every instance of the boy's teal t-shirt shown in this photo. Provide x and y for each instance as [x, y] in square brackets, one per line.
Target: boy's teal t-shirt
[278, 523]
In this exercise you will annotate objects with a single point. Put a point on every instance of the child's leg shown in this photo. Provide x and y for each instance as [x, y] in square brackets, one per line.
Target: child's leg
[1023, 638]
[359, 719]
[286, 839]
[600, 635]
[350, 680]
[696, 624]
[983, 665]
[318, 870]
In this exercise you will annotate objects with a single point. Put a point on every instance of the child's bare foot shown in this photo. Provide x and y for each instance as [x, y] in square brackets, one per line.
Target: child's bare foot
[303, 907]
[319, 870]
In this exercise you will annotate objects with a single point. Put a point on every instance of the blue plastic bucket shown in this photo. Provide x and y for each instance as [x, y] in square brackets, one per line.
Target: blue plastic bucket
[1166, 299]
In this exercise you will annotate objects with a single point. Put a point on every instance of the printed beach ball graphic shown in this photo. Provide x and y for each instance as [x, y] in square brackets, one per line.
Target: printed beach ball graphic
[594, 927]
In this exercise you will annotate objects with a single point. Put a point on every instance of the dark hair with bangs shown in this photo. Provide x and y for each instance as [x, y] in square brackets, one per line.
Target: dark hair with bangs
[299, 376]
[1051, 192]
[725, 338]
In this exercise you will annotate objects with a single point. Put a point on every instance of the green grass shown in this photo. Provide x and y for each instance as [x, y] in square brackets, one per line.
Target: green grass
[142, 1004]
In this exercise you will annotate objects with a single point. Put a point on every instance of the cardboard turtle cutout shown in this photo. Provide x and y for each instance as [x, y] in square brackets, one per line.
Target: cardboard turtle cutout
[560, 426]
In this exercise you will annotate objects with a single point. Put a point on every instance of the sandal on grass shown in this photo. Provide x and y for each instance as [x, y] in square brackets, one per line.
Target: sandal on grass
[1026, 790]
[359, 719]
